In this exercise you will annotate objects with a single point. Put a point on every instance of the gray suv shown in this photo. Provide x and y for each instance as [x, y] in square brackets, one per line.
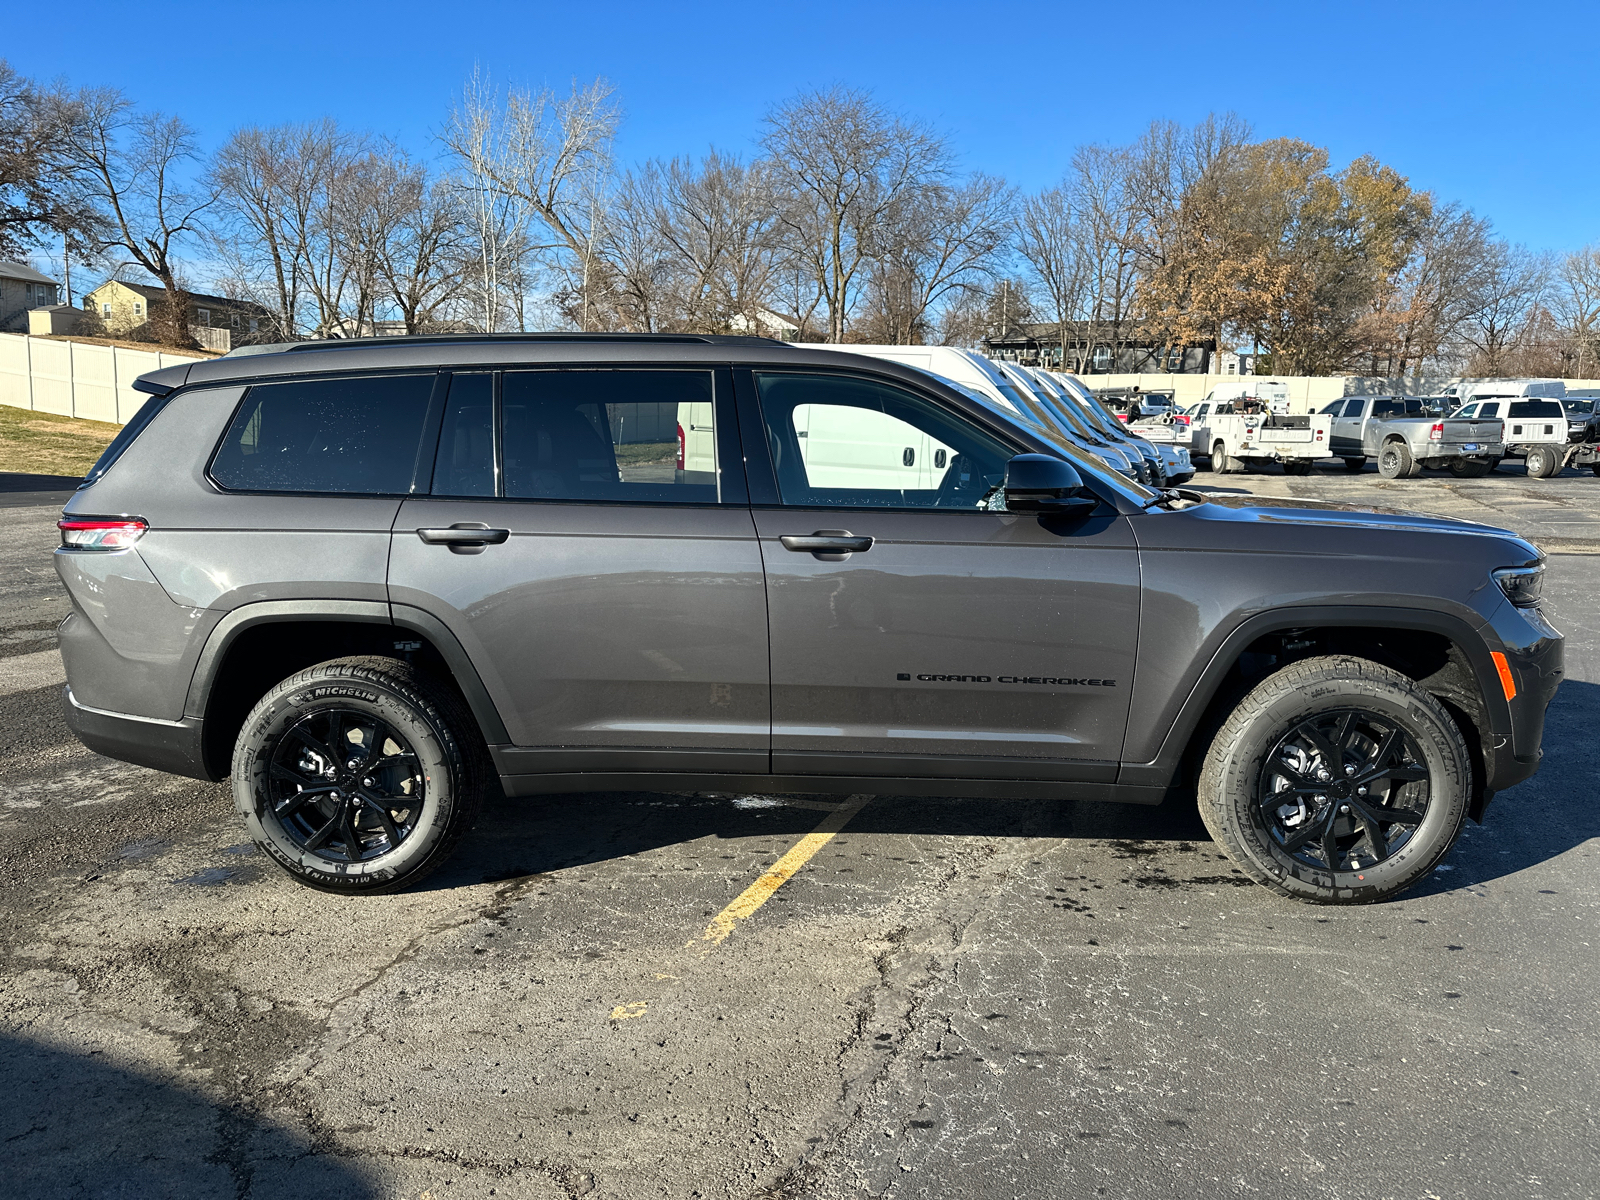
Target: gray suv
[371, 581]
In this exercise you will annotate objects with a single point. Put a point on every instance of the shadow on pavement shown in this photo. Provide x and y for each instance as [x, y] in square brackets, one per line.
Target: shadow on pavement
[515, 838]
[1548, 815]
[527, 836]
[77, 1125]
[12, 481]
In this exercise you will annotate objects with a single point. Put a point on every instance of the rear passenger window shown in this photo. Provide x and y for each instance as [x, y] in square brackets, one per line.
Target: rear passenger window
[329, 435]
[609, 435]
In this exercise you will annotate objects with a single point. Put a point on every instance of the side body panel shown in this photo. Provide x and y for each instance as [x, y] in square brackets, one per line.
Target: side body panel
[604, 631]
[961, 643]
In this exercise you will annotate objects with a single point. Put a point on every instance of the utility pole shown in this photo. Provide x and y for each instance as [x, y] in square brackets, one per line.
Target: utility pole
[66, 266]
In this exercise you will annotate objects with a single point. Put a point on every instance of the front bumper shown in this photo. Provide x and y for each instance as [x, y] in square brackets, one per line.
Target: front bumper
[1535, 655]
[173, 746]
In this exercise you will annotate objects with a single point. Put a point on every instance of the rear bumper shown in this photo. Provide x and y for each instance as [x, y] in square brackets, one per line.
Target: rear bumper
[165, 745]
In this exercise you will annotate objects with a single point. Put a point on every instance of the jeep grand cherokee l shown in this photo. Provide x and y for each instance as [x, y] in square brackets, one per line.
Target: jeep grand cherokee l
[371, 580]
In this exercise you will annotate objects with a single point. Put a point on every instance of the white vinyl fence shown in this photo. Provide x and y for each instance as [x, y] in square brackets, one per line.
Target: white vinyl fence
[75, 379]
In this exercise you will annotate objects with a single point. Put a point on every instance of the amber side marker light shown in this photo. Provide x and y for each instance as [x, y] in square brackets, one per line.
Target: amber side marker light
[1508, 685]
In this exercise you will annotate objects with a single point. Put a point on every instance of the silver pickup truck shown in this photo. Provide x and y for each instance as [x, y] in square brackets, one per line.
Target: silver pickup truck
[1404, 438]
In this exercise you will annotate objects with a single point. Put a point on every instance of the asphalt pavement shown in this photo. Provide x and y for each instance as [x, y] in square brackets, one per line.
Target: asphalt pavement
[951, 998]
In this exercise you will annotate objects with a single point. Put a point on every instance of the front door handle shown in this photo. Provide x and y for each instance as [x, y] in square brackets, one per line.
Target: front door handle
[468, 537]
[827, 545]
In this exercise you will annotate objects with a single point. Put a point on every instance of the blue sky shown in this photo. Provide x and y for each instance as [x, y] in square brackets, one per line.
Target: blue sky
[1493, 105]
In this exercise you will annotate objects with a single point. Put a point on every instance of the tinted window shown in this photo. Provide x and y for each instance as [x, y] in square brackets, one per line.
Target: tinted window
[327, 435]
[856, 443]
[1388, 408]
[1537, 408]
[1492, 409]
[1335, 409]
[465, 463]
[609, 435]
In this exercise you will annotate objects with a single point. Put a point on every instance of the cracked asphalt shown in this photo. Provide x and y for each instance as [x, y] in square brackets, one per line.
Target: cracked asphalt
[952, 998]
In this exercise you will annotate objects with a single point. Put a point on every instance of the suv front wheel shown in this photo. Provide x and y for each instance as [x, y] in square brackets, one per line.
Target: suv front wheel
[1337, 781]
[359, 774]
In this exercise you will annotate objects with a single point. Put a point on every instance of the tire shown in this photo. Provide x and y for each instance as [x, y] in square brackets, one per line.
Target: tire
[1355, 464]
[1300, 467]
[1221, 463]
[1469, 468]
[1595, 467]
[427, 745]
[1543, 462]
[1425, 780]
[1395, 461]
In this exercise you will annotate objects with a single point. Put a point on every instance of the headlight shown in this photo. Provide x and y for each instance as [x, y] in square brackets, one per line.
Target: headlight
[1523, 586]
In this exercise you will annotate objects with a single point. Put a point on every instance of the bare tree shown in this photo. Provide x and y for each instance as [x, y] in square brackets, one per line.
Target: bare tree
[552, 156]
[1513, 281]
[40, 193]
[1050, 241]
[1441, 286]
[130, 165]
[844, 162]
[939, 239]
[1577, 303]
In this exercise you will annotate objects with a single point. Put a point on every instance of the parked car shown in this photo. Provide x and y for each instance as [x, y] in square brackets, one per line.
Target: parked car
[371, 581]
[992, 386]
[1394, 430]
[1046, 409]
[1153, 464]
[1539, 432]
[1106, 422]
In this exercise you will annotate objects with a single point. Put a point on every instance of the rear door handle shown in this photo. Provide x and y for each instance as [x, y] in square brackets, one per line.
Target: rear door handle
[827, 545]
[468, 537]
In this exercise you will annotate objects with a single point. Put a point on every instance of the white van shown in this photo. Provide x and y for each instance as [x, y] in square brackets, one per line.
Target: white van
[1506, 389]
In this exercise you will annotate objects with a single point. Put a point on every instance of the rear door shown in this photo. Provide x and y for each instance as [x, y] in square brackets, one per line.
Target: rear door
[587, 545]
[915, 633]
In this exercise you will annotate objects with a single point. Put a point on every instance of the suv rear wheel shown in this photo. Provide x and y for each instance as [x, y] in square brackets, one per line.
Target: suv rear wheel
[1336, 781]
[359, 774]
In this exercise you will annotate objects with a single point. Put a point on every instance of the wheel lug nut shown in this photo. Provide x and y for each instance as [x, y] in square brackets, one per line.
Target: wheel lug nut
[1349, 770]
[1361, 791]
[1344, 808]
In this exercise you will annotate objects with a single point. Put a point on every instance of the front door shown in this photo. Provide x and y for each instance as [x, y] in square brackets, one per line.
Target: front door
[915, 632]
[600, 568]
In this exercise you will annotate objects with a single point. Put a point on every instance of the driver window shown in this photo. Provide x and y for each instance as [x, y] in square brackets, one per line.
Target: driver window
[847, 442]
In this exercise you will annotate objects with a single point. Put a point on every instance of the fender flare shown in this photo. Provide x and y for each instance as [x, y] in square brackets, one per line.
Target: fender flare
[374, 612]
[1475, 641]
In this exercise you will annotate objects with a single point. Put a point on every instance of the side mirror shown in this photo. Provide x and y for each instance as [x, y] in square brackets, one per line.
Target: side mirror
[1038, 483]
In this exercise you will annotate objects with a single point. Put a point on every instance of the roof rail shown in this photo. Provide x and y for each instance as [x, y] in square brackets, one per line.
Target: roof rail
[412, 339]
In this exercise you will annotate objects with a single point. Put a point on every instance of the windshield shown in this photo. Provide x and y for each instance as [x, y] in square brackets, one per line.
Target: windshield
[1062, 405]
[1092, 412]
[1579, 406]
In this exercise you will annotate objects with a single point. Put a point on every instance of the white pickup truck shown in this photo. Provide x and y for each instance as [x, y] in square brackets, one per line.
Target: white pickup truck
[1237, 434]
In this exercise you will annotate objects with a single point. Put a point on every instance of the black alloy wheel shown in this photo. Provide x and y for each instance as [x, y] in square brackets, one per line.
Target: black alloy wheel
[345, 785]
[360, 775]
[1344, 790]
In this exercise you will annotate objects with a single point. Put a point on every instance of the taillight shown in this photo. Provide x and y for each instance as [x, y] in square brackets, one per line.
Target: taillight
[1436, 434]
[91, 534]
[680, 446]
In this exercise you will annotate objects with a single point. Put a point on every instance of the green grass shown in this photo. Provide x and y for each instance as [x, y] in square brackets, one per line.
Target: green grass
[36, 443]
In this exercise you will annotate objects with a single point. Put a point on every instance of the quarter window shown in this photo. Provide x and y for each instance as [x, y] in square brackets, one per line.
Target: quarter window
[846, 442]
[609, 435]
[354, 435]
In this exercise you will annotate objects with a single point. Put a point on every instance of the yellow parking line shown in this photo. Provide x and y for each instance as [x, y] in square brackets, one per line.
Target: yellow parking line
[759, 892]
